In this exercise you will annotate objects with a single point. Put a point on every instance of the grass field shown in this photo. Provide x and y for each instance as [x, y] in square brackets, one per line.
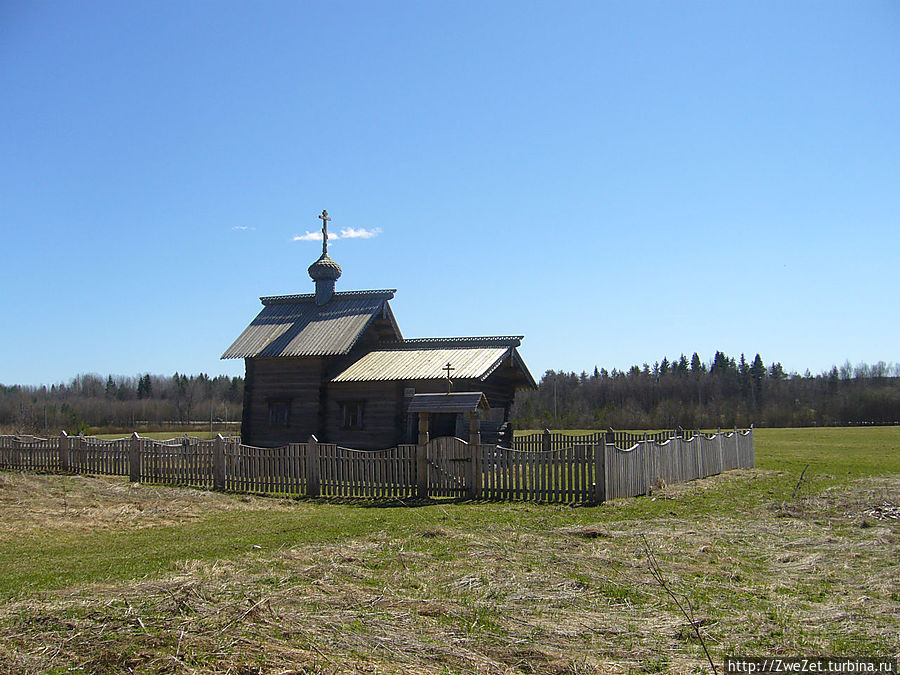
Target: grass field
[100, 576]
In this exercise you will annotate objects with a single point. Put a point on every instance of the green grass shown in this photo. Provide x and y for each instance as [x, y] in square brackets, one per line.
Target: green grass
[32, 561]
[35, 563]
[834, 452]
[455, 587]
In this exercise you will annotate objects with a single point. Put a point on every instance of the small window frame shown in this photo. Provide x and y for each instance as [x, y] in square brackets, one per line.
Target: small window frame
[352, 415]
[279, 413]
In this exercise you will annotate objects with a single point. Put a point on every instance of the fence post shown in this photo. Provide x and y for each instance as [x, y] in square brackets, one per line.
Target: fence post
[545, 441]
[219, 463]
[182, 466]
[737, 448]
[696, 439]
[313, 486]
[599, 495]
[424, 428]
[64, 451]
[752, 450]
[134, 458]
[645, 464]
[475, 482]
[721, 449]
[421, 471]
[474, 431]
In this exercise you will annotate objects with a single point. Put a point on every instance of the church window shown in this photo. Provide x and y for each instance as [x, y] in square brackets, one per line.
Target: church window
[279, 413]
[352, 414]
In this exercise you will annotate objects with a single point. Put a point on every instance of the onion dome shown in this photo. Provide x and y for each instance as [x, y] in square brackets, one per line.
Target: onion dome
[324, 269]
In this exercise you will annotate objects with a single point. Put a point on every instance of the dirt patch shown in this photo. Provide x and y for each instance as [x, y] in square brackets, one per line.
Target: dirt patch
[884, 511]
[873, 498]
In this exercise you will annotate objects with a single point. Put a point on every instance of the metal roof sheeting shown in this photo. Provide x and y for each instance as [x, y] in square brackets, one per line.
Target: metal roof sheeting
[425, 364]
[296, 326]
[463, 401]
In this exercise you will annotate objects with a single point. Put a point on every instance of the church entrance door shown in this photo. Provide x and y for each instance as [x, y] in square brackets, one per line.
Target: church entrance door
[443, 424]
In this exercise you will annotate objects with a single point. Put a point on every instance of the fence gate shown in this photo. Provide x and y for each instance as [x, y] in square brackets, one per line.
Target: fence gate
[450, 467]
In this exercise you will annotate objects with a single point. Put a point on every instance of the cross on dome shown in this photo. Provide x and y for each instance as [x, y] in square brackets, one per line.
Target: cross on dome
[325, 218]
[324, 271]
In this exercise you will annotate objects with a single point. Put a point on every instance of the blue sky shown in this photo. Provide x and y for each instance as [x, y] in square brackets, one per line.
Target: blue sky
[617, 181]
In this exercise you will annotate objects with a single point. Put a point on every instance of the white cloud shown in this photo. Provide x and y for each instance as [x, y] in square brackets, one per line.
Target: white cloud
[311, 236]
[361, 233]
[242, 227]
[346, 233]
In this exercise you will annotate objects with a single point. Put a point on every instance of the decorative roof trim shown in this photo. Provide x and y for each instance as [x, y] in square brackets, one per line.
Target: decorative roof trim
[375, 315]
[519, 361]
[389, 313]
[387, 293]
[455, 342]
[495, 365]
[516, 359]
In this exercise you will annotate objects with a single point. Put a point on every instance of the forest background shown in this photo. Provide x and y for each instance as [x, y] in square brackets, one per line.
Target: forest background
[684, 391]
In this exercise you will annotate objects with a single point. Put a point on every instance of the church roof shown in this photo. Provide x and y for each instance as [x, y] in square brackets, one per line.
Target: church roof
[463, 401]
[294, 325]
[424, 359]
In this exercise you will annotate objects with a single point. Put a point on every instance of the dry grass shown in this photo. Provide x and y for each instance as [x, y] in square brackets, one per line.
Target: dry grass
[557, 590]
[78, 503]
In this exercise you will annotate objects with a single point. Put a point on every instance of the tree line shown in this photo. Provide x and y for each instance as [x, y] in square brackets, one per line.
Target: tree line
[723, 392]
[92, 401]
[687, 392]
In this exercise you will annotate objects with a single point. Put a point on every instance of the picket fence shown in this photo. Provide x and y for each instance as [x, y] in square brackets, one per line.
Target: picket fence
[586, 470]
[550, 440]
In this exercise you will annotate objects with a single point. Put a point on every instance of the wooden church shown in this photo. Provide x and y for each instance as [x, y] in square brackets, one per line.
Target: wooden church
[334, 364]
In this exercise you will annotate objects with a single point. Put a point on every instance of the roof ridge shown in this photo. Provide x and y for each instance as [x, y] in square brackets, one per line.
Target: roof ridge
[482, 340]
[449, 393]
[306, 297]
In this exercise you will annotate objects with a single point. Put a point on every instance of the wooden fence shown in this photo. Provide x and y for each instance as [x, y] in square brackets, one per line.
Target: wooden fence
[179, 461]
[566, 475]
[550, 440]
[585, 470]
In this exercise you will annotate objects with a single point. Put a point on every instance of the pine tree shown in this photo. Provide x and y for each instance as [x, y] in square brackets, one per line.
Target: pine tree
[144, 388]
[696, 364]
[776, 372]
[744, 372]
[757, 375]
